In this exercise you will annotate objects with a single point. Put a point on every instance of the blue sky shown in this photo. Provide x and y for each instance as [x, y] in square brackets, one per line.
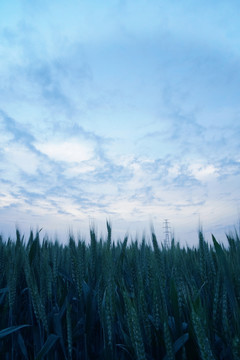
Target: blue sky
[120, 110]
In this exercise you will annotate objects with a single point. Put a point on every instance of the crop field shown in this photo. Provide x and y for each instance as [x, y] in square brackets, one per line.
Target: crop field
[119, 299]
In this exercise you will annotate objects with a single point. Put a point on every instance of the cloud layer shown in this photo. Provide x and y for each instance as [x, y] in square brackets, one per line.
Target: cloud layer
[128, 111]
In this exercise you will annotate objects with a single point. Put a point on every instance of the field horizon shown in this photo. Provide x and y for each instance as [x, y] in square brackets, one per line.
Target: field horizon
[145, 232]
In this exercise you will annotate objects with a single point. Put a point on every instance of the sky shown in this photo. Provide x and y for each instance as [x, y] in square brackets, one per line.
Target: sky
[127, 111]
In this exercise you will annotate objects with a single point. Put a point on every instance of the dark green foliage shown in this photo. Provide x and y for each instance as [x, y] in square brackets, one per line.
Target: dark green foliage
[121, 300]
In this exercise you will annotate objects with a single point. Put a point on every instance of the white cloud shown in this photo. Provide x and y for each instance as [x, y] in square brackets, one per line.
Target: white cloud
[7, 199]
[70, 151]
[203, 172]
[19, 157]
[74, 171]
[174, 170]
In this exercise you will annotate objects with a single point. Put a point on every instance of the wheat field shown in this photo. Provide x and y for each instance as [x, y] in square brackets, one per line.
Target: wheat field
[119, 299]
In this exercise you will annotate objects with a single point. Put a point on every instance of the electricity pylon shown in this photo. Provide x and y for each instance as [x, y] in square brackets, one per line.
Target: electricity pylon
[167, 233]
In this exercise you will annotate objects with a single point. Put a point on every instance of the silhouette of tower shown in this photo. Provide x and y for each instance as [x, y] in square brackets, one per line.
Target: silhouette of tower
[167, 233]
